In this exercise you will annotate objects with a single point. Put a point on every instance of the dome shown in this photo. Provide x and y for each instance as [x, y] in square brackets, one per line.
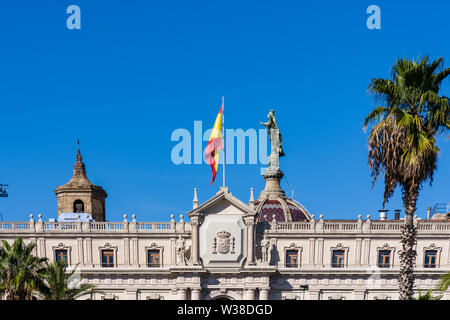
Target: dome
[287, 210]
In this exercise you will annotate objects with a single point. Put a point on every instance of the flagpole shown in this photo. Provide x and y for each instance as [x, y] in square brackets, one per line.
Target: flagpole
[223, 133]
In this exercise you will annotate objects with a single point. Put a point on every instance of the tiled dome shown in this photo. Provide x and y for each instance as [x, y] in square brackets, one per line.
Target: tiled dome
[284, 210]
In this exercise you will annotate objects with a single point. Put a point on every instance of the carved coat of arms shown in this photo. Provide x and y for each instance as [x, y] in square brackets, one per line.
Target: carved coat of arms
[223, 241]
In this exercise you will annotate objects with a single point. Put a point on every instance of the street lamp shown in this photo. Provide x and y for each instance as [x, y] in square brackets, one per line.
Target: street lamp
[304, 287]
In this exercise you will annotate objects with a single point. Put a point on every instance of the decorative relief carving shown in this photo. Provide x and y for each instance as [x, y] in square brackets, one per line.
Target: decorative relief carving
[223, 243]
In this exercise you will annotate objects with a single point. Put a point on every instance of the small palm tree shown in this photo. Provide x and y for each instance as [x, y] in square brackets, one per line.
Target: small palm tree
[402, 143]
[444, 283]
[58, 283]
[20, 271]
[428, 296]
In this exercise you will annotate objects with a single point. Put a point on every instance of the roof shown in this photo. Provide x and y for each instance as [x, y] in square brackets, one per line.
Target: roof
[219, 201]
[79, 180]
[284, 210]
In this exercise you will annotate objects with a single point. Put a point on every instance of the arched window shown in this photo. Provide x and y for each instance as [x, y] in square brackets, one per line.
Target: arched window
[78, 206]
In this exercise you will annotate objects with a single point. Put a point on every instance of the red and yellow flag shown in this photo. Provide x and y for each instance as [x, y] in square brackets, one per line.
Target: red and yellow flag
[215, 144]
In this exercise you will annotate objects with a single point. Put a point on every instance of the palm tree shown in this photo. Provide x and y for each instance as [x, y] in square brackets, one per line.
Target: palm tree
[402, 142]
[20, 271]
[58, 283]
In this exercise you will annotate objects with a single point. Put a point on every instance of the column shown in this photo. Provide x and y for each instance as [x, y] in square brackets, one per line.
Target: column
[88, 243]
[366, 252]
[249, 221]
[195, 294]
[249, 294]
[181, 294]
[126, 251]
[135, 252]
[194, 237]
[264, 294]
[312, 243]
[173, 258]
[41, 247]
[131, 294]
[80, 251]
[320, 252]
[358, 252]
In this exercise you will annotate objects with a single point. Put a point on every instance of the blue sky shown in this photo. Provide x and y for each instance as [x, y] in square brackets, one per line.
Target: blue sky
[138, 70]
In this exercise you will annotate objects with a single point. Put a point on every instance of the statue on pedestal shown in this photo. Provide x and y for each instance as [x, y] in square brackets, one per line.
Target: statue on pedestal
[275, 141]
[265, 243]
[273, 173]
[180, 246]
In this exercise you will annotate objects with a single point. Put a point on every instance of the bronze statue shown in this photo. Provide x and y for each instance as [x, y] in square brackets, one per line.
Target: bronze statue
[274, 132]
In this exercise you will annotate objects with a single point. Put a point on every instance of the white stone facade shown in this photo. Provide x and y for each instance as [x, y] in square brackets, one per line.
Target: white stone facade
[221, 246]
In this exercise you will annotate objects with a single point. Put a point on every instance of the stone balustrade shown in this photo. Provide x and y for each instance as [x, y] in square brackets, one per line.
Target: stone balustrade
[315, 226]
[96, 227]
[15, 226]
[357, 226]
[58, 226]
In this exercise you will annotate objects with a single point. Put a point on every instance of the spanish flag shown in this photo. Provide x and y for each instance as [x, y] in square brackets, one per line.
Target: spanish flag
[215, 144]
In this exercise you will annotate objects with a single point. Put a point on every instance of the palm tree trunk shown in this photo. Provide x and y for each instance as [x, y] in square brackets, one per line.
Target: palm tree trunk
[408, 254]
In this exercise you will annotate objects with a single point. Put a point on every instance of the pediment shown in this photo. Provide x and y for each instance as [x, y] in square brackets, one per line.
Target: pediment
[223, 203]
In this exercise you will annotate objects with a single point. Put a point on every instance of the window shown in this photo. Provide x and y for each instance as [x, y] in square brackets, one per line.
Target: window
[78, 206]
[430, 259]
[337, 260]
[107, 258]
[291, 258]
[384, 258]
[153, 259]
[61, 255]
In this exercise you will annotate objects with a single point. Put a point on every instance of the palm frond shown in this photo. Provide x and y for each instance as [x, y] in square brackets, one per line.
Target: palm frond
[58, 286]
[441, 76]
[444, 283]
[375, 115]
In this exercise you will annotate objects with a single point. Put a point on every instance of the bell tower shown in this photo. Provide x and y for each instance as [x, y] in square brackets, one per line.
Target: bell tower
[80, 195]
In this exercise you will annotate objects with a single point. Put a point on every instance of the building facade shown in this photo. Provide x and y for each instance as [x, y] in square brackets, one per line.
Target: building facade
[268, 248]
